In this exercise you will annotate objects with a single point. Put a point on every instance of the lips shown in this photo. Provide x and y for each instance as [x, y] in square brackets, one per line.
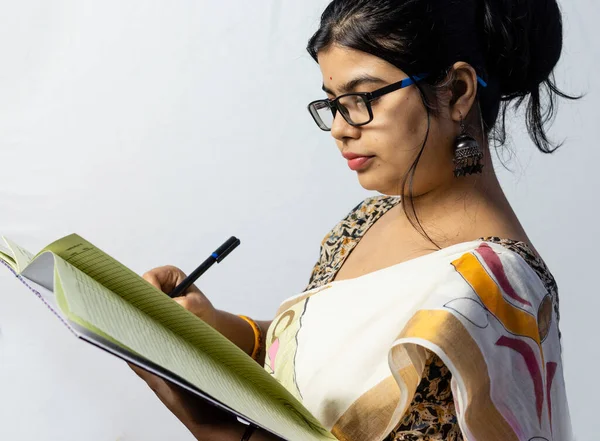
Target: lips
[349, 155]
[359, 162]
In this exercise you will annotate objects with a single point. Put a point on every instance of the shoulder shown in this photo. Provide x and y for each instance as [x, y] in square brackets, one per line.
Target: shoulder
[488, 314]
[361, 217]
[483, 284]
[529, 257]
[490, 267]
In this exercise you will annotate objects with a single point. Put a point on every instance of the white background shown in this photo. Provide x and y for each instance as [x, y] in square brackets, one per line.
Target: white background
[158, 129]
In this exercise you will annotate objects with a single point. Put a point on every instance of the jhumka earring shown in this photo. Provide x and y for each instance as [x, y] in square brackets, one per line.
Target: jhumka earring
[467, 153]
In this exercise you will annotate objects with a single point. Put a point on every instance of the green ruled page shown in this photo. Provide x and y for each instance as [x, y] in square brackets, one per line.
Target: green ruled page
[106, 297]
[19, 256]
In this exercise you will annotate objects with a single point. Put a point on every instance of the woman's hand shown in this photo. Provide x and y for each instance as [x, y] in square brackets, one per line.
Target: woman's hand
[204, 420]
[232, 327]
[166, 278]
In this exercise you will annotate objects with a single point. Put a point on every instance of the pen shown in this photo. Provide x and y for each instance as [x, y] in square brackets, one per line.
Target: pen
[217, 256]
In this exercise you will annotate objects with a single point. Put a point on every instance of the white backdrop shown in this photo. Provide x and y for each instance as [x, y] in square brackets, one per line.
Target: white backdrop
[158, 129]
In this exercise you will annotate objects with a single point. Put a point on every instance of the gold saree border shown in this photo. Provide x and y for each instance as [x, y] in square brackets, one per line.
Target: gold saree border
[443, 329]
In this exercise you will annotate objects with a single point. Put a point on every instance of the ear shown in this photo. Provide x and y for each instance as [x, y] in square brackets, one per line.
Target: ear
[464, 90]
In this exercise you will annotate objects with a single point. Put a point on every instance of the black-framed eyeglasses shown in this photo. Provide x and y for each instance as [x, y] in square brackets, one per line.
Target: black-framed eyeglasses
[356, 107]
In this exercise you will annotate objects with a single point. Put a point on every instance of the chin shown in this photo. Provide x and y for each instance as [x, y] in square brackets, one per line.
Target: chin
[373, 183]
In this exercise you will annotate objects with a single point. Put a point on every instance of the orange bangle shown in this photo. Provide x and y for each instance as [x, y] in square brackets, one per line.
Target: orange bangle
[258, 336]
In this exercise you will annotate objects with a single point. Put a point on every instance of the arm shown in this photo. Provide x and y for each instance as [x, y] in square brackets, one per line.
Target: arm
[239, 332]
[234, 328]
[203, 420]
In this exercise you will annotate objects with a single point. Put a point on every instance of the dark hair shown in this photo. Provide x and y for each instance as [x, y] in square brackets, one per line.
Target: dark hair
[512, 44]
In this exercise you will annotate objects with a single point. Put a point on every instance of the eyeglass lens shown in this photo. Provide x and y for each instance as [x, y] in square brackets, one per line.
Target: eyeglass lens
[353, 108]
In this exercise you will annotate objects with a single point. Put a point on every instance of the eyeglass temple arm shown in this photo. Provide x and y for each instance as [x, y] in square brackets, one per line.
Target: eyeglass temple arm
[395, 86]
[407, 82]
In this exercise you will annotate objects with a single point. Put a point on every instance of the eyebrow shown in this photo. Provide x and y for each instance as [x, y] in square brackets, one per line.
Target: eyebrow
[358, 81]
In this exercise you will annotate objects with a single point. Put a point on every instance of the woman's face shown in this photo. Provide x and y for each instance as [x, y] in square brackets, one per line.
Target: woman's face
[394, 138]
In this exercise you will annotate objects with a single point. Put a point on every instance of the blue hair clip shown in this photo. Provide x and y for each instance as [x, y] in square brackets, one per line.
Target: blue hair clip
[480, 81]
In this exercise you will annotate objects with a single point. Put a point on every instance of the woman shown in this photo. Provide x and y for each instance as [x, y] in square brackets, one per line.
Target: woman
[429, 315]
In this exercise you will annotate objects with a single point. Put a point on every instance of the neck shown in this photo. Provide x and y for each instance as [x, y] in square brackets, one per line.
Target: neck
[465, 208]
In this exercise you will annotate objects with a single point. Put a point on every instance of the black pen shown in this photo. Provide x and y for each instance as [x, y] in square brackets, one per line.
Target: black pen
[217, 256]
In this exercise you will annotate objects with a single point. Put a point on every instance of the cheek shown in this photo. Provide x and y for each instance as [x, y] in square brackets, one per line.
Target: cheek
[405, 124]
[414, 118]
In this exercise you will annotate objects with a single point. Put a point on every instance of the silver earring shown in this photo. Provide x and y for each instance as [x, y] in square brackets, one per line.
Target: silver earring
[467, 153]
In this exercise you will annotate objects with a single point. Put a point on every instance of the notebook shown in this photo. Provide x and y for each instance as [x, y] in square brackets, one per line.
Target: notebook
[109, 306]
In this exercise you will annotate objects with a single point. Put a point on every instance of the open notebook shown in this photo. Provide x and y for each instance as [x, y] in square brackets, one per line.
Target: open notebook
[108, 305]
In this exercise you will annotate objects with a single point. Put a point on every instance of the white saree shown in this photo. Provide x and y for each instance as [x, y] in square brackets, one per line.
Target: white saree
[353, 351]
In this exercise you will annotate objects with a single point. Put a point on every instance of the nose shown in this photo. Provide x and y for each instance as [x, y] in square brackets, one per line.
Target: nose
[340, 129]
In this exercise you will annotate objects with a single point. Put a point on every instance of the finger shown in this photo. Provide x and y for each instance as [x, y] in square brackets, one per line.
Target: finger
[139, 371]
[181, 300]
[168, 393]
[155, 383]
[165, 278]
[193, 302]
[151, 278]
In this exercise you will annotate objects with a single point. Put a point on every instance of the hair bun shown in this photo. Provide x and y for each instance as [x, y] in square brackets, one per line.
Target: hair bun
[524, 42]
